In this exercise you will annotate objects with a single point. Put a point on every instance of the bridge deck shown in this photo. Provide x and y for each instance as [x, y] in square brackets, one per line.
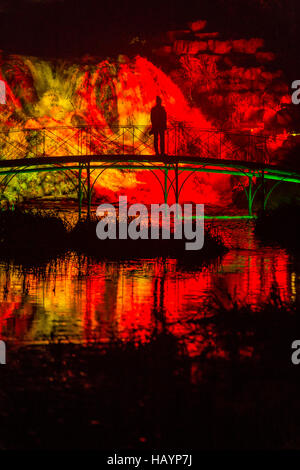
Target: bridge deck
[161, 161]
[182, 163]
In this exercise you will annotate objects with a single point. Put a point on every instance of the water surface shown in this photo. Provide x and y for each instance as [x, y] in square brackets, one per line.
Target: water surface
[79, 299]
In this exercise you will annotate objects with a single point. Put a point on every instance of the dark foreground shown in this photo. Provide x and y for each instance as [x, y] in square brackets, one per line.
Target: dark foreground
[240, 392]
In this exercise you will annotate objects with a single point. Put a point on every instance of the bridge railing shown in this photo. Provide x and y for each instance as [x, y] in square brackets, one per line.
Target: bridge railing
[181, 140]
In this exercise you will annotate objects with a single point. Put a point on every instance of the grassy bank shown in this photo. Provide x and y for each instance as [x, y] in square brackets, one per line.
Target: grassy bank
[35, 237]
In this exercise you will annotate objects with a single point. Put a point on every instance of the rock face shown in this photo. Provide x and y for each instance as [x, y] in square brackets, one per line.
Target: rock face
[112, 92]
[107, 94]
[234, 82]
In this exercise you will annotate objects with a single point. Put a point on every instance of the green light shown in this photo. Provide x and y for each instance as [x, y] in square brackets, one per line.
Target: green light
[282, 178]
[221, 217]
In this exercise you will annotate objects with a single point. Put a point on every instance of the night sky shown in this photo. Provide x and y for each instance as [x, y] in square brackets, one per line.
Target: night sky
[73, 28]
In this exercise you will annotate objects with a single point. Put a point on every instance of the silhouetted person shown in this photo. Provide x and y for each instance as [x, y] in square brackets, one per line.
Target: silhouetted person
[159, 125]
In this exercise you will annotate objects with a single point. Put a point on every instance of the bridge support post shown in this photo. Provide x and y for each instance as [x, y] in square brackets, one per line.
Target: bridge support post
[263, 190]
[166, 185]
[176, 183]
[166, 189]
[176, 189]
[44, 142]
[250, 199]
[89, 194]
[79, 193]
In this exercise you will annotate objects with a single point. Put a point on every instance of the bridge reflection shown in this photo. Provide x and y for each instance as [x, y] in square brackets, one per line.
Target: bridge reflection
[87, 300]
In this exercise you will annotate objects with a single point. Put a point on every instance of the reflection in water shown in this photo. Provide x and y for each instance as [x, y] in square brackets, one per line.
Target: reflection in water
[81, 299]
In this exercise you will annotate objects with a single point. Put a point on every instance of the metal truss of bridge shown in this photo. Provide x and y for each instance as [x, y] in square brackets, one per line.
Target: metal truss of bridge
[84, 153]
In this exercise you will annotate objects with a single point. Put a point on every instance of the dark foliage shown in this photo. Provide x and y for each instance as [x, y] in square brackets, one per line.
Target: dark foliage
[281, 225]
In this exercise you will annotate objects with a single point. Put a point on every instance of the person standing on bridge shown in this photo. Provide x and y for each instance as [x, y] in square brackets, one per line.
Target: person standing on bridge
[159, 125]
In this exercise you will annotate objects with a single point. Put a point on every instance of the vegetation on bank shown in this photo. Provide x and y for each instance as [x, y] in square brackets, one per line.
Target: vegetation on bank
[83, 238]
[30, 236]
[36, 237]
